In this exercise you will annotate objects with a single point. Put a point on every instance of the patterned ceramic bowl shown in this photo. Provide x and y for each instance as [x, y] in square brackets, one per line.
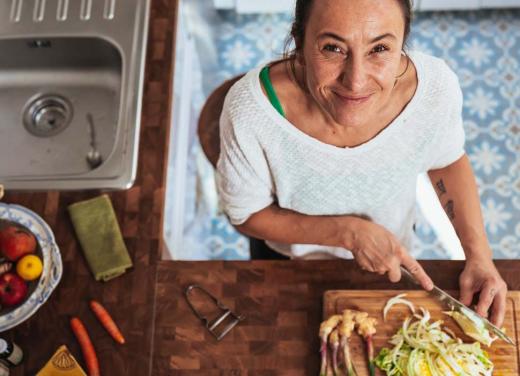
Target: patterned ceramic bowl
[52, 265]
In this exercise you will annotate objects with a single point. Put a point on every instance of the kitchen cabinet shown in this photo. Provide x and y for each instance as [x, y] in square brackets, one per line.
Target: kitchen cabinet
[500, 3]
[437, 5]
[270, 6]
[448, 4]
[224, 4]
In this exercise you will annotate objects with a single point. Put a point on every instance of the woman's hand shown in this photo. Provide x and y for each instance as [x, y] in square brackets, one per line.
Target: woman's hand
[481, 275]
[378, 250]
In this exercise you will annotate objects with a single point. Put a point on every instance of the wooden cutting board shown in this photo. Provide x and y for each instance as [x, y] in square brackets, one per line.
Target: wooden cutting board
[505, 357]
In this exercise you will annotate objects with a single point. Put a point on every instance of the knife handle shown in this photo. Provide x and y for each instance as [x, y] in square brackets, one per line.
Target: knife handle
[408, 275]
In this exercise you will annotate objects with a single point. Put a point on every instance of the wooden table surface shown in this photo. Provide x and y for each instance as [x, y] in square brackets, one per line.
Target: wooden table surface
[282, 302]
[281, 299]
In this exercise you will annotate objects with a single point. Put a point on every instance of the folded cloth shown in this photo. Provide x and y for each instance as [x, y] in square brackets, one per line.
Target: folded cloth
[98, 232]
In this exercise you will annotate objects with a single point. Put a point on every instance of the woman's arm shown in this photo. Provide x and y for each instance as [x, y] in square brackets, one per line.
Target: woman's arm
[286, 226]
[457, 191]
[374, 248]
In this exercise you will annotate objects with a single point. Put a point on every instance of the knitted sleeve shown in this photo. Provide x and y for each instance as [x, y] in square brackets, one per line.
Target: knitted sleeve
[244, 182]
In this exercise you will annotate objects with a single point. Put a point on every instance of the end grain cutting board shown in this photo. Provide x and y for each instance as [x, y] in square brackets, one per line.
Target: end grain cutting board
[505, 357]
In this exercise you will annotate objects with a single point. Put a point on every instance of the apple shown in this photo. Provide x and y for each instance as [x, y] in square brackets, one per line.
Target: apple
[13, 289]
[16, 242]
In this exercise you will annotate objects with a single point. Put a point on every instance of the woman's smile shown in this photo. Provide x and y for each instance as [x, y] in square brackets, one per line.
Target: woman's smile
[352, 99]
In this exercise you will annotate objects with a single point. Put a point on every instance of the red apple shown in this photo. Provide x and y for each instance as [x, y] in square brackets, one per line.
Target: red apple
[13, 289]
[16, 242]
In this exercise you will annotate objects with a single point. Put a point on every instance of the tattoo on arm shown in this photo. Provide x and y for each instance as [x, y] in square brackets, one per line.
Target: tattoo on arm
[449, 207]
[440, 187]
[450, 210]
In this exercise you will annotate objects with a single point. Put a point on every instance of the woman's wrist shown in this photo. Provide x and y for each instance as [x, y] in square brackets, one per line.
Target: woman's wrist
[350, 226]
[475, 244]
[478, 253]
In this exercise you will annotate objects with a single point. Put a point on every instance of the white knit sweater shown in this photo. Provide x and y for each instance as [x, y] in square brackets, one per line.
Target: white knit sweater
[266, 159]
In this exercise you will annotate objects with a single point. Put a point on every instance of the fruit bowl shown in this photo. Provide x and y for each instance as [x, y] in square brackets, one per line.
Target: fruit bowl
[52, 265]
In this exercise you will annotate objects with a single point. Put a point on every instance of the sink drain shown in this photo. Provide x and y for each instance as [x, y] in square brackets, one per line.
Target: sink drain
[47, 115]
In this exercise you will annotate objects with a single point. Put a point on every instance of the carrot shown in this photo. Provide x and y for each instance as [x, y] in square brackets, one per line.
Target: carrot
[106, 320]
[89, 353]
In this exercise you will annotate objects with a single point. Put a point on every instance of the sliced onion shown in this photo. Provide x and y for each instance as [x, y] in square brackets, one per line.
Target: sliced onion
[397, 300]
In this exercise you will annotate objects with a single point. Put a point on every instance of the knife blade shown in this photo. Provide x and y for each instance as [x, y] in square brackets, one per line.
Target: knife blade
[454, 304]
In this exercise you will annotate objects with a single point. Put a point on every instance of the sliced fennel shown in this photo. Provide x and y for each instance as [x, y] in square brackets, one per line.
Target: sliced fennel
[424, 348]
[397, 300]
[472, 326]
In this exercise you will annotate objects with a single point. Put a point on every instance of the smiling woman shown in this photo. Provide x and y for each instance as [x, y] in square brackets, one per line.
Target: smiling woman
[354, 63]
[320, 151]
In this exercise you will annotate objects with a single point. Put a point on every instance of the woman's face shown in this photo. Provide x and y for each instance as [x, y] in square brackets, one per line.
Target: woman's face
[352, 54]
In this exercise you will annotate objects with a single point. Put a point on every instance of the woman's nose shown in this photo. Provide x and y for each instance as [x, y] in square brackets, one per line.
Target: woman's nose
[354, 76]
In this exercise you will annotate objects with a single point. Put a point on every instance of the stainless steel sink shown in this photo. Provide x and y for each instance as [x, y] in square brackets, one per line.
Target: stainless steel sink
[71, 79]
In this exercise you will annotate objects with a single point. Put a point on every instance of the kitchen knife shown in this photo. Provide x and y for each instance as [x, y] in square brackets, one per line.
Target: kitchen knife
[455, 305]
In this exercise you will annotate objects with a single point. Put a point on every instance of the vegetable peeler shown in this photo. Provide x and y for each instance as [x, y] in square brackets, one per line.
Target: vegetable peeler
[214, 326]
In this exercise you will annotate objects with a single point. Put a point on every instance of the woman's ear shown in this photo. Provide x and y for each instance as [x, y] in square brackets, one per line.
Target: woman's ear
[299, 57]
[298, 51]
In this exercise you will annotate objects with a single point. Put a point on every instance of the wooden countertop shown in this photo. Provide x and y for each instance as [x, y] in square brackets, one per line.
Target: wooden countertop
[130, 297]
[282, 302]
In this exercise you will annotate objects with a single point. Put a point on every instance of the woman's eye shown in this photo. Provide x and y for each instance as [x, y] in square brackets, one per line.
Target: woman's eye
[379, 48]
[332, 48]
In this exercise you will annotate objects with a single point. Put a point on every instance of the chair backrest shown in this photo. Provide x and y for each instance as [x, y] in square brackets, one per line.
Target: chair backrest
[208, 125]
[209, 136]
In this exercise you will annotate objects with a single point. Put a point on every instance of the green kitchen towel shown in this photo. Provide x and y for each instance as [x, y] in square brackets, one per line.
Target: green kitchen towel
[98, 232]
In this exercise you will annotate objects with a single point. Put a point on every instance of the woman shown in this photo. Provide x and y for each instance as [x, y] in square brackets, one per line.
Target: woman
[320, 152]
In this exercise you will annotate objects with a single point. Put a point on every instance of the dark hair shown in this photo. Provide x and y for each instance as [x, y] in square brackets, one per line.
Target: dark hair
[301, 16]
